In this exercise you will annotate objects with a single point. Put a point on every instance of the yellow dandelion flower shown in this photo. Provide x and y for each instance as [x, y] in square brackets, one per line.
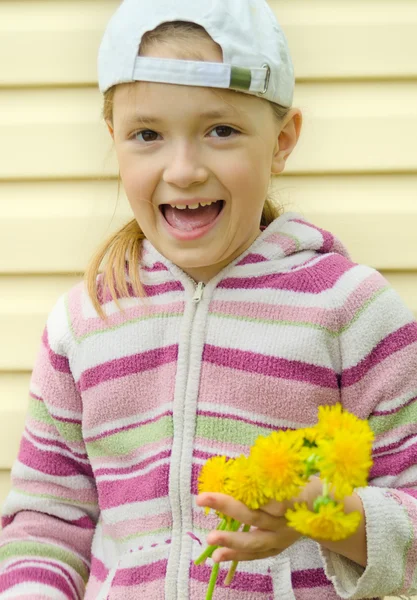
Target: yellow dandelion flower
[310, 435]
[213, 476]
[243, 484]
[330, 523]
[278, 461]
[332, 419]
[345, 461]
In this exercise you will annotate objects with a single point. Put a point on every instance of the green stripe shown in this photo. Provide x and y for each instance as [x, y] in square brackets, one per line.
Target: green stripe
[124, 442]
[38, 549]
[38, 411]
[240, 78]
[137, 534]
[60, 499]
[306, 324]
[71, 432]
[404, 416]
[229, 430]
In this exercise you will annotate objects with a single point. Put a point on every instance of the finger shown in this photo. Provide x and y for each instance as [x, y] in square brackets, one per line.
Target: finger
[225, 555]
[239, 511]
[253, 541]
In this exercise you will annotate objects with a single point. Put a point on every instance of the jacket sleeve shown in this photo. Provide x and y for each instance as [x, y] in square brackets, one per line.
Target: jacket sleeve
[379, 382]
[51, 511]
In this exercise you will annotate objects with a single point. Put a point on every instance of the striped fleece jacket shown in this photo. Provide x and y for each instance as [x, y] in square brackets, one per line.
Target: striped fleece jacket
[123, 414]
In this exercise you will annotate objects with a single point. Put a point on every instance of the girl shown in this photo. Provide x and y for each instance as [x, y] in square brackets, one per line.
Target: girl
[216, 320]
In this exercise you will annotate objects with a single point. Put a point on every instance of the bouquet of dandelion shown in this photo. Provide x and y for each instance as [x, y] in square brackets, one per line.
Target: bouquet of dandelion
[338, 448]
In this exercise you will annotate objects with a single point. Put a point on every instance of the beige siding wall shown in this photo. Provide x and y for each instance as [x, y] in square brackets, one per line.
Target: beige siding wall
[354, 170]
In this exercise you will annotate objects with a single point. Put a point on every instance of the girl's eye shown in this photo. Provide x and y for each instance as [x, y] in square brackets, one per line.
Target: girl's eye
[147, 135]
[224, 131]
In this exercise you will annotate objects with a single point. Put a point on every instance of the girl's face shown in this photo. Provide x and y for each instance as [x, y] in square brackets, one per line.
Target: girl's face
[183, 145]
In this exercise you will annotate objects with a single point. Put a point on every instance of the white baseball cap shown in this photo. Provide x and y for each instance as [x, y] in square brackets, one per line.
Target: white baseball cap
[256, 56]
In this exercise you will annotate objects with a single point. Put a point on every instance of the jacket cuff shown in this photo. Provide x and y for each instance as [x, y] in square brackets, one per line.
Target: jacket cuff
[388, 535]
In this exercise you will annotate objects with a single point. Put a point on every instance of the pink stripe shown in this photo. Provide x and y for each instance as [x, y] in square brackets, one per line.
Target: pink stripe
[104, 295]
[50, 529]
[37, 575]
[161, 380]
[113, 462]
[251, 259]
[136, 489]
[232, 417]
[220, 382]
[394, 464]
[309, 578]
[158, 266]
[16, 565]
[220, 447]
[150, 572]
[198, 590]
[400, 339]
[50, 463]
[133, 468]
[270, 365]
[56, 490]
[32, 427]
[327, 237]
[153, 590]
[82, 327]
[332, 319]
[403, 434]
[127, 365]
[397, 409]
[385, 381]
[146, 524]
[287, 244]
[98, 569]
[58, 362]
[321, 276]
[244, 582]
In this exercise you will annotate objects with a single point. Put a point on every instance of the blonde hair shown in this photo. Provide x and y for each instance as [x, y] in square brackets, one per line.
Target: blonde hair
[127, 242]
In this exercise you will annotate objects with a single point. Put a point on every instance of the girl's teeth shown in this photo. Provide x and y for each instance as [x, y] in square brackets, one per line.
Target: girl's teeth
[192, 206]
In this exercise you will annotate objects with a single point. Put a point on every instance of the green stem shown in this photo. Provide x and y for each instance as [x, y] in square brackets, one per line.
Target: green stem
[213, 581]
[232, 570]
[210, 549]
[326, 489]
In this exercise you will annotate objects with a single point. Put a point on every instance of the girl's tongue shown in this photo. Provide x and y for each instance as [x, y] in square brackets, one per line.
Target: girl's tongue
[190, 219]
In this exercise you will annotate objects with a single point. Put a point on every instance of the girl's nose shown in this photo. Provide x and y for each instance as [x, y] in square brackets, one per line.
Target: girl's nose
[184, 168]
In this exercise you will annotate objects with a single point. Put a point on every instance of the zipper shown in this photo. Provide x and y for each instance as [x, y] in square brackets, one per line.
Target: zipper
[198, 295]
[196, 299]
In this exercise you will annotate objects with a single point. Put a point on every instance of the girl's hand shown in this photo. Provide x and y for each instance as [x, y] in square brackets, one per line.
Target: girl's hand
[270, 534]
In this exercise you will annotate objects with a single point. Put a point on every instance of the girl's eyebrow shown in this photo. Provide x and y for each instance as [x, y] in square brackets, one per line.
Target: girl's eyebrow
[212, 114]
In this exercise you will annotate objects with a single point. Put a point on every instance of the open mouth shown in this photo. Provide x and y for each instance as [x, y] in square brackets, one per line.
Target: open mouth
[189, 219]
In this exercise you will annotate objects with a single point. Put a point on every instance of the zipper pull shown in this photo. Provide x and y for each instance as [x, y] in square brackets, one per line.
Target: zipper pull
[198, 293]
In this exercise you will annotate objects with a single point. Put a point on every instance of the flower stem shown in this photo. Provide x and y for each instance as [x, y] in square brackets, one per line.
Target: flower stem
[232, 570]
[210, 549]
[213, 580]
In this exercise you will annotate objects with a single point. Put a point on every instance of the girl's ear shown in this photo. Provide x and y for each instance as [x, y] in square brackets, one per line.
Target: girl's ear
[288, 136]
[110, 128]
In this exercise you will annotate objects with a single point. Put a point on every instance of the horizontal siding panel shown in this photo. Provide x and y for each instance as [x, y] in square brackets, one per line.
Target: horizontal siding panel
[61, 39]
[14, 394]
[361, 127]
[24, 305]
[4, 486]
[55, 227]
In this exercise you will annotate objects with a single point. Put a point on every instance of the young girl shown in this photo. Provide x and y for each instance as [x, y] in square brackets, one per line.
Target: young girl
[216, 320]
